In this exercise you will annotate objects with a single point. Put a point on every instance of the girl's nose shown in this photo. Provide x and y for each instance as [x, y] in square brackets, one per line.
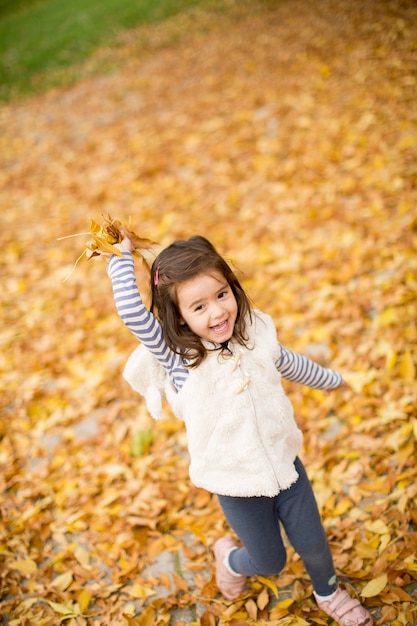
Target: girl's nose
[216, 310]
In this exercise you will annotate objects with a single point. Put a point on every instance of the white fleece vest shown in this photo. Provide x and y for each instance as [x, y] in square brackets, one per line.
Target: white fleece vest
[241, 432]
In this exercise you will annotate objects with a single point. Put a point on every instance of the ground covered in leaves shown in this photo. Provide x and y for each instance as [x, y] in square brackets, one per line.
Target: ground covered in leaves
[286, 132]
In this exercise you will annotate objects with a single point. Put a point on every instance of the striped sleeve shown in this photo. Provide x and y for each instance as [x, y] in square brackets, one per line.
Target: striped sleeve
[139, 320]
[300, 369]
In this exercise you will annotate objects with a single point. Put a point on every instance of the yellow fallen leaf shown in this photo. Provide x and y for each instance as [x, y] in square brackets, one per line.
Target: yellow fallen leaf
[131, 621]
[278, 614]
[26, 604]
[165, 580]
[166, 542]
[239, 618]
[139, 591]
[196, 530]
[385, 539]
[83, 600]
[272, 586]
[83, 556]
[376, 526]
[298, 591]
[391, 360]
[387, 317]
[375, 586]
[62, 581]
[414, 422]
[180, 583]
[147, 618]
[406, 452]
[232, 609]
[26, 566]
[343, 506]
[407, 367]
[359, 380]
[366, 550]
[63, 609]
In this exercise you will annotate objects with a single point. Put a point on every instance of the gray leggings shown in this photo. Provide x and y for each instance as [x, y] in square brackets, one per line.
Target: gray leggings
[256, 520]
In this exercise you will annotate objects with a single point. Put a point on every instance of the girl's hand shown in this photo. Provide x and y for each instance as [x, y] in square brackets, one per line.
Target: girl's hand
[125, 245]
[344, 385]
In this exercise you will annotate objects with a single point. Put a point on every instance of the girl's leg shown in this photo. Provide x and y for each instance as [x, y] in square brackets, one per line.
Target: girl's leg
[298, 512]
[255, 522]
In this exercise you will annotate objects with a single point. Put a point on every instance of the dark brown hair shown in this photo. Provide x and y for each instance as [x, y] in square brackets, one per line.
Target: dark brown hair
[179, 262]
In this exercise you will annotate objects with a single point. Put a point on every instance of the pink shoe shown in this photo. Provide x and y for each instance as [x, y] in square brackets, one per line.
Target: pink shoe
[230, 585]
[345, 610]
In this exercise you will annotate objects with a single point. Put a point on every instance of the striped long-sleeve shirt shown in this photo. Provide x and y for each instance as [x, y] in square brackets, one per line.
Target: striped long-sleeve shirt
[147, 329]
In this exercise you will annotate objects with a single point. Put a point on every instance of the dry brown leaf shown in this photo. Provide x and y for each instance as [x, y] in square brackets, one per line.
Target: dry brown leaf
[252, 609]
[263, 599]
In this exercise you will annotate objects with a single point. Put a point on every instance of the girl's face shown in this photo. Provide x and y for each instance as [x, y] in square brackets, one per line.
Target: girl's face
[208, 306]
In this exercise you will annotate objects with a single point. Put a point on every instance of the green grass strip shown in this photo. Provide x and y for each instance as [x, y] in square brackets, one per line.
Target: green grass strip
[46, 35]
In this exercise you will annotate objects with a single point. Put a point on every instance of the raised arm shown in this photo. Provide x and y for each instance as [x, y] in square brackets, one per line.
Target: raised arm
[300, 369]
[139, 320]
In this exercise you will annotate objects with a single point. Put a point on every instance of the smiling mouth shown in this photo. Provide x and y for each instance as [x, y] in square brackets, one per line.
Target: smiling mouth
[220, 328]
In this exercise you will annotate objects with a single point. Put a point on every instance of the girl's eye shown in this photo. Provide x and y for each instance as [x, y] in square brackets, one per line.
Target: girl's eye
[223, 294]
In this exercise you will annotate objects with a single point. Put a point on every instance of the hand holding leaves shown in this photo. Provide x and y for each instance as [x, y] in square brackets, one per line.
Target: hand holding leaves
[109, 234]
[112, 237]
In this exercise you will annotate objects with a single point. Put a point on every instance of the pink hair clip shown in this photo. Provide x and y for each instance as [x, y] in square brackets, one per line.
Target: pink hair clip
[156, 275]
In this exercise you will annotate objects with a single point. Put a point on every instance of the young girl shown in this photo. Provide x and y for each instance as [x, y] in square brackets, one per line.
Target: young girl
[219, 365]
